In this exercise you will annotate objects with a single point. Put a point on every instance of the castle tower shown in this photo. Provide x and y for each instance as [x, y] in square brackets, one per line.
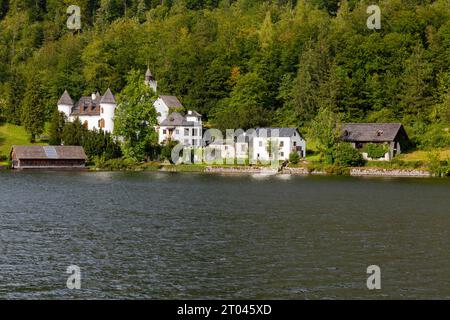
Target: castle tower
[150, 80]
[107, 110]
[65, 104]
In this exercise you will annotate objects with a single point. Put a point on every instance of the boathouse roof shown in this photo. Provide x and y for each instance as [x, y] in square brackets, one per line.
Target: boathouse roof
[49, 152]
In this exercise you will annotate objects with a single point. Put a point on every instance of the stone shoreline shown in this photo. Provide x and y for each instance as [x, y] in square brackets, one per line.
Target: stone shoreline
[357, 172]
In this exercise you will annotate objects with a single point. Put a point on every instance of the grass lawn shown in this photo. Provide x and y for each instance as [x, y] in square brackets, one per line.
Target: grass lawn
[12, 135]
[421, 155]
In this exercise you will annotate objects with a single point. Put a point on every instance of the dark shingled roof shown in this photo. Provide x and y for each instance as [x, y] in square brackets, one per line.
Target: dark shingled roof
[65, 99]
[49, 152]
[371, 132]
[277, 132]
[87, 106]
[171, 101]
[175, 119]
[108, 97]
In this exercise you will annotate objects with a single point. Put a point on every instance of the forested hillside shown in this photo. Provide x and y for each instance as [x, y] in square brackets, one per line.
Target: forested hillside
[242, 63]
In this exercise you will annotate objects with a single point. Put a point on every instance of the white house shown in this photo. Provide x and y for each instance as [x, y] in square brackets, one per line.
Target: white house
[165, 105]
[282, 140]
[95, 111]
[186, 129]
[254, 145]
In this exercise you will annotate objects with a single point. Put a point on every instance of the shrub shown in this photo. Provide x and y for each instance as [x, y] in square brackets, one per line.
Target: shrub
[294, 158]
[166, 150]
[376, 150]
[346, 156]
[118, 164]
[438, 167]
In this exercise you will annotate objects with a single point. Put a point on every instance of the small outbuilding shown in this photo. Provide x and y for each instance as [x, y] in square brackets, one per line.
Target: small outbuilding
[391, 135]
[48, 157]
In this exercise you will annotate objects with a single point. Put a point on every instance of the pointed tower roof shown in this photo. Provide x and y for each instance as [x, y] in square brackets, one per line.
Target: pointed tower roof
[65, 99]
[108, 97]
[148, 75]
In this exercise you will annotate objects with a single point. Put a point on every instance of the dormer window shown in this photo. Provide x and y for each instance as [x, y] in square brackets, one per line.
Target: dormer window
[379, 133]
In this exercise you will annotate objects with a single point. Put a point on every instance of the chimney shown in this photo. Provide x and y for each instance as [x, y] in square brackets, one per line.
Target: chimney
[93, 96]
[189, 112]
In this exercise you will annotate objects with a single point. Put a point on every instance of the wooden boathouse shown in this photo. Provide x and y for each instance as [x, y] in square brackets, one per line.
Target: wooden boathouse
[48, 157]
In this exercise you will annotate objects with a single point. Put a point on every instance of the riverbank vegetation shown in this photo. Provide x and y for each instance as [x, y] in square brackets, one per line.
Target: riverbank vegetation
[239, 63]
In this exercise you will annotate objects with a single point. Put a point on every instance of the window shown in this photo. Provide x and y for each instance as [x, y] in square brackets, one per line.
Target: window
[102, 111]
[85, 124]
[295, 143]
[194, 132]
[281, 144]
[177, 131]
[164, 131]
[194, 142]
[260, 144]
[186, 131]
[281, 154]
[243, 148]
[186, 142]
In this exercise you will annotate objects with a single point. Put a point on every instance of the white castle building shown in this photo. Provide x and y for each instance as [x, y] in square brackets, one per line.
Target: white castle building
[95, 111]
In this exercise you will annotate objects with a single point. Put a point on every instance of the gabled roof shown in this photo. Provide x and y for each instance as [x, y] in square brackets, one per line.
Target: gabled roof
[371, 132]
[108, 97]
[171, 101]
[49, 152]
[276, 132]
[175, 119]
[65, 99]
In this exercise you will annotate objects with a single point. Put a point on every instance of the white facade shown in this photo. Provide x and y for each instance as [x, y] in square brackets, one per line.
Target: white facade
[94, 112]
[162, 110]
[283, 145]
[107, 112]
[90, 122]
[187, 130]
[255, 146]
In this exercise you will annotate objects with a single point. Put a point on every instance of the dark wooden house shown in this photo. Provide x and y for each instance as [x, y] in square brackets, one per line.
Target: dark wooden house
[48, 157]
[391, 134]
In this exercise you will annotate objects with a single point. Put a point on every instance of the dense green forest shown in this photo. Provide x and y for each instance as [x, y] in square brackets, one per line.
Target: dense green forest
[241, 63]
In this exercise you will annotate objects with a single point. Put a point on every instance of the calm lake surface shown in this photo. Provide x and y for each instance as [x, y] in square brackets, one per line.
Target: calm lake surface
[189, 236]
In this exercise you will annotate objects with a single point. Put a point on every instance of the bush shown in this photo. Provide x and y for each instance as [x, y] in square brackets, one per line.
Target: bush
[166, 150]
[346, 156]
[376, 150]
[438, 167]
[119, 164]
[294, 158]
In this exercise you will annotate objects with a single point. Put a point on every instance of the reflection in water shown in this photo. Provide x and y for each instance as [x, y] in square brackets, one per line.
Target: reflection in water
[157, 235]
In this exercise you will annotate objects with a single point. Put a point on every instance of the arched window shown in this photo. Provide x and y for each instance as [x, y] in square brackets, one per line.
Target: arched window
[101, 123]
[85, 124]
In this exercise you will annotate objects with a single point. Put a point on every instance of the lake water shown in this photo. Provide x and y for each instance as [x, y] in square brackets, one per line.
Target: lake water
[189, 236]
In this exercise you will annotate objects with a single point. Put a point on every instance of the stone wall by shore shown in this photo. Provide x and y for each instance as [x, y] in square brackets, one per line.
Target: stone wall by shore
[375, 172]
[389, 172]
